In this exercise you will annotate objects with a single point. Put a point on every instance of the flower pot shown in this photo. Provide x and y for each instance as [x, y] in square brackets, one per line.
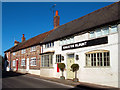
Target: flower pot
[62, 77]
[75, 79]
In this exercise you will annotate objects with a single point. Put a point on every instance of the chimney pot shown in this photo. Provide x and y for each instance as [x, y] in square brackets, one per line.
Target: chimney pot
[57, 13]
[23, 38]
[56, 19]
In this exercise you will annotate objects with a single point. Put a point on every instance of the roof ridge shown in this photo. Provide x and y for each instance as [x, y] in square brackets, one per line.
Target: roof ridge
[90, 13]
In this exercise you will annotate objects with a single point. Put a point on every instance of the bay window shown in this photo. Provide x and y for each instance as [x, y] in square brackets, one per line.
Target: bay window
[98, 58]
[47, 60]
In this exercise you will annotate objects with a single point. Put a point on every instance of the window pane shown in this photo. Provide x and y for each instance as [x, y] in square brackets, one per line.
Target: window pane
[92, 34]
[72, 40]
[98, 33]
[105, 31]
[113, 29]
[94, 59]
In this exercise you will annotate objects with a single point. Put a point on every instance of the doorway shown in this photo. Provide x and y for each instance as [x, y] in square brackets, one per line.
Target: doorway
[16, 64]
[70, 61]
[27, 68]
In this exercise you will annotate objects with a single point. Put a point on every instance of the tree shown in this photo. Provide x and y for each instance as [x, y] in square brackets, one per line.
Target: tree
[75, 68]
[62, 68]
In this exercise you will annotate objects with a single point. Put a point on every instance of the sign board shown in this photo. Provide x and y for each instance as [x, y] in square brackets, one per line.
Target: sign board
[93, 42]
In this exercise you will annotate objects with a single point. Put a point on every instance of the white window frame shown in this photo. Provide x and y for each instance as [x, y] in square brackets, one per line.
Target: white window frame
[23, 51]
[47, 60]
[33, 61]
[33, 49]
[13, 53]
[111, 28]
[102, 29]
[23, 62]
[49, 45]
[97, 60]
[58, 58]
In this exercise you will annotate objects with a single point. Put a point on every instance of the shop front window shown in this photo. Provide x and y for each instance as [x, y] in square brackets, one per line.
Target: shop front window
[47, 60]
[98, 58]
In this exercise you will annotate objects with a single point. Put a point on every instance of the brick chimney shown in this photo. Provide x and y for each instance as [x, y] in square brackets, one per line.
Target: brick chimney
[56, 20]
[16, 42]
[23, 38]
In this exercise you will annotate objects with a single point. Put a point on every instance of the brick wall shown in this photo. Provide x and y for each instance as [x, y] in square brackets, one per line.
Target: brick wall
[18, 55]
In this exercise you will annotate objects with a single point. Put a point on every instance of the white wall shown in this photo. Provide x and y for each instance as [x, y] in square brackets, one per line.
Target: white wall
[98, 75]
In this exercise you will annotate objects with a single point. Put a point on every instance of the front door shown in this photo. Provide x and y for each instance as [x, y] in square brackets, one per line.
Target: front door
[70, 61]
[16, 64]
[27, 69]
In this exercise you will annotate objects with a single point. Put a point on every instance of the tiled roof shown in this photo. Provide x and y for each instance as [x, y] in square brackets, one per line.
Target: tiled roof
[30, 42]
[103, 16]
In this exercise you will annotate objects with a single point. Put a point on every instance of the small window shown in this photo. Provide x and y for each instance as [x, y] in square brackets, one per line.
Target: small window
[113, 29]
[33, 61]
[72, 40]
[23, 62]
[98, 58]
[23, 51]
[14, 63]
[105, 31]
[98, 32]
[33, 48]
[14, 53]
[58, 58]
[60, 42]
[92, 34]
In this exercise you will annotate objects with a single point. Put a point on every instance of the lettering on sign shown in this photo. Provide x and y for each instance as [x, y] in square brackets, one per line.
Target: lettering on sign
[93, 42]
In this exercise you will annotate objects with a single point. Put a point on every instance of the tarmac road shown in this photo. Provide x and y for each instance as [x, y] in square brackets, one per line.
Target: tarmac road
[17, 80]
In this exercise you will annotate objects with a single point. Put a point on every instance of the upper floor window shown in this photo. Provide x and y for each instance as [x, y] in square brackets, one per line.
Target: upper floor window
[103, 31]
[13, 53]
[98, 58]
[23, 51]
[33, 61]
[23, 62]
[113, 29]
[66, 41]
[33, 48]
[48, 45]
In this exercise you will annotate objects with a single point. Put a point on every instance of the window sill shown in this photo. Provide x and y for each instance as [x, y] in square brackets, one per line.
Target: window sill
[96, 66]
[33, 65]
[46, 67]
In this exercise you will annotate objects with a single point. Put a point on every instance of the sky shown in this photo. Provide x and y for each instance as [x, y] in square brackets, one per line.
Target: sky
[34, 18]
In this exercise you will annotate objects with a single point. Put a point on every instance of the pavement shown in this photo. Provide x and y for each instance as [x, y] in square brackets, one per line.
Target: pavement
[85, 85]
[58, 83]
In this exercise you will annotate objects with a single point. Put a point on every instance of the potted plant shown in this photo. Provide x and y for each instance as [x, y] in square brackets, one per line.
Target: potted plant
[61, 67]
[75, 68]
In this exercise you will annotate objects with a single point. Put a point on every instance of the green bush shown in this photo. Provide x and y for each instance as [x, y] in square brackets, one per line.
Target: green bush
[75, 67]
[61, 66]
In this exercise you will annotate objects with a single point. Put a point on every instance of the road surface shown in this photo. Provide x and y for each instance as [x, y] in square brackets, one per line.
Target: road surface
[17, 80]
